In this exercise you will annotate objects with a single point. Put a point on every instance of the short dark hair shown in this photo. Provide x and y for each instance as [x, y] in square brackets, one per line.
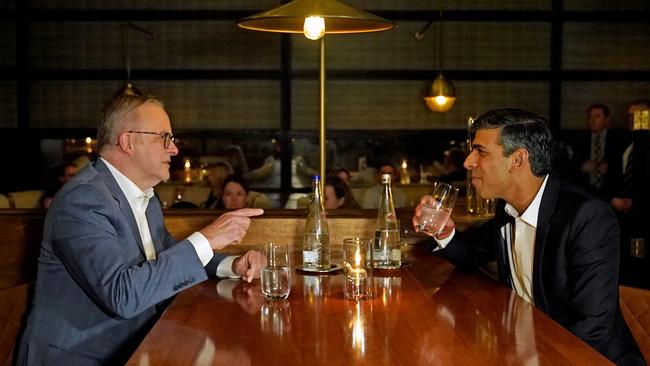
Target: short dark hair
[599, 106]
[236, 178]
[520, 129]
[341, 189]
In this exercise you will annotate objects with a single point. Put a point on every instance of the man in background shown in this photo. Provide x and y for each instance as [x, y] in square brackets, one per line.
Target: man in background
[631, 200]
[107, 263]
[371, 195]
[599, 155]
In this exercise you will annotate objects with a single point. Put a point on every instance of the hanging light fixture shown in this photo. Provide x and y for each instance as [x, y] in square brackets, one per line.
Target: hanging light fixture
[315, 19]
[441, 95]
[128, 88]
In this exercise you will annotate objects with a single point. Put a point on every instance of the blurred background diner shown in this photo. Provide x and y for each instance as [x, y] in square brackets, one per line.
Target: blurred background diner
[246, 103]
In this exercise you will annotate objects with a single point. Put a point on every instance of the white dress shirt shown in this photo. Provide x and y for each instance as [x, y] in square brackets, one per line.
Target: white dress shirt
[522, 253]
[139, 200]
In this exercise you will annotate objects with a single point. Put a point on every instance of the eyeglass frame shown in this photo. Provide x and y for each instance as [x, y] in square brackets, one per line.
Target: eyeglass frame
[167, 137]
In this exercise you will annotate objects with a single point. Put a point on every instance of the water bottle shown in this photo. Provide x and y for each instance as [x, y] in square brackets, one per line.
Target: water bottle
[386, 247]
[315, 247]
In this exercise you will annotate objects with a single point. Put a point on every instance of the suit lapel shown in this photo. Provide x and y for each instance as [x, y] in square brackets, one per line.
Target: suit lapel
[122, 202]
[154, 219]
[503, 263]
[546, 211]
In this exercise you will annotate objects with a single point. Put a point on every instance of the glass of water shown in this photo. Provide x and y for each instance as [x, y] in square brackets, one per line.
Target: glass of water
[276, 276]
[437, 209]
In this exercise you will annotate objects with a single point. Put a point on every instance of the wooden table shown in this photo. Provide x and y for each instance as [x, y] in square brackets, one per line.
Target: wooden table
[427, 313]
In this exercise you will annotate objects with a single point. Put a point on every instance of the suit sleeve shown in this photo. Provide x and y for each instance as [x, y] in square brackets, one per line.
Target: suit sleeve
[472, 248]
[169, 241]
[94, 243]
[593, 263]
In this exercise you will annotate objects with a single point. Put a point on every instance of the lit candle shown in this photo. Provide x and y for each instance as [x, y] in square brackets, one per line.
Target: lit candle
[89, 147]
[356, 273]
[188, 170]
[404, 173]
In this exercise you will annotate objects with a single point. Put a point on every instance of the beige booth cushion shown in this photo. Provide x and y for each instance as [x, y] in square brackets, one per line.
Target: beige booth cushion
[26, 199]
[635, 305]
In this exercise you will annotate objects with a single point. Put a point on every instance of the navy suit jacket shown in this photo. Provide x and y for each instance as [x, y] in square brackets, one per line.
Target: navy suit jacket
[575, 266]
[96, 294]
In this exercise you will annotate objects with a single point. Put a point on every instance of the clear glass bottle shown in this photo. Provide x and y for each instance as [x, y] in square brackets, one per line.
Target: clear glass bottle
[386, 248]
[315, 247]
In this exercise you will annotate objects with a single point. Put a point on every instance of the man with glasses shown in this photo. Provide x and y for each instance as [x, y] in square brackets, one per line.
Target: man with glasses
[107, 263]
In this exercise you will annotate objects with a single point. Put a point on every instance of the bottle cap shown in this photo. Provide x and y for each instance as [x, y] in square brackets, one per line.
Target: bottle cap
[315, 177]
[386, 178]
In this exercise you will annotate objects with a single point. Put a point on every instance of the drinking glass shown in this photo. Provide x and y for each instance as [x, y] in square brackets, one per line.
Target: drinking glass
[276, 275]
[437, 208]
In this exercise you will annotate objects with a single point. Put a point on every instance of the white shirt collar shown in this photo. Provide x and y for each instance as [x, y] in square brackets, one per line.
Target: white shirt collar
[138, 199]
[531, 213]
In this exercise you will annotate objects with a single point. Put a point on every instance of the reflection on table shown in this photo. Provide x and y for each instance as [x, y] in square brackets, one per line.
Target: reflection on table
[428, 313]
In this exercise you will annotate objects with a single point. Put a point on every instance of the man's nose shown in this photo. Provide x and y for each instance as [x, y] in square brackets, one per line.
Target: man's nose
[470, 162]
[173, 149]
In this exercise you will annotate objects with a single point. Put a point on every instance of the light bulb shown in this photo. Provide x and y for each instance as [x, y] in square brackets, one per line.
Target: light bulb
[441, 99]
[314, 27]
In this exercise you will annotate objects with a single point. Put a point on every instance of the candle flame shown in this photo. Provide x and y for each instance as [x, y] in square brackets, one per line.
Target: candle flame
[357, 258]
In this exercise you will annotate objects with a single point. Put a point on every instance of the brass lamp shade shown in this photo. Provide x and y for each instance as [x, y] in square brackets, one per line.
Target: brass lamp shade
[441, 95]
[339, 18]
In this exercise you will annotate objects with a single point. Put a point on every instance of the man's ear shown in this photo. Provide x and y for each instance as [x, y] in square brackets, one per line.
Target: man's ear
[518, 160]
[125, 142]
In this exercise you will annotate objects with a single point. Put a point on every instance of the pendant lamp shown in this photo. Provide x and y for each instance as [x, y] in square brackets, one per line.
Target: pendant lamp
[315, 19]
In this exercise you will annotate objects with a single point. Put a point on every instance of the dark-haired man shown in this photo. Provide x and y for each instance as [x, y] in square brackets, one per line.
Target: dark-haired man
[599, 154]
[554, 245]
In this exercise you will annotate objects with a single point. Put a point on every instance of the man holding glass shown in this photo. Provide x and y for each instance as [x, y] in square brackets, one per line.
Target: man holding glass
[107, 263]
[554, 245]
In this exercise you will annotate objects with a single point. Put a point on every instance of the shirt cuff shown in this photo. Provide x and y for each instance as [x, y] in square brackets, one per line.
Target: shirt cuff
[224, 269]
[202, 247]
[442, 243]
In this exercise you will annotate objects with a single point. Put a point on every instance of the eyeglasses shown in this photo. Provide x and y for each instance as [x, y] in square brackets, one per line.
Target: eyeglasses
[166, 136]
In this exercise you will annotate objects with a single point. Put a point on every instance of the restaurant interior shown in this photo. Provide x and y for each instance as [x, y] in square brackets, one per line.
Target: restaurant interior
[280, 108]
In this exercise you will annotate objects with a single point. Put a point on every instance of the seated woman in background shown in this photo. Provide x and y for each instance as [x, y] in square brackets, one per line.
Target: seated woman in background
[63, 172]
[217, 173]
[338, 194]
[235, 190]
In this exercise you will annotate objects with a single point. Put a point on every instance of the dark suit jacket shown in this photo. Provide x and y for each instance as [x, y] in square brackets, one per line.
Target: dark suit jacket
[96, 294]
[615, 145]
[575, 266]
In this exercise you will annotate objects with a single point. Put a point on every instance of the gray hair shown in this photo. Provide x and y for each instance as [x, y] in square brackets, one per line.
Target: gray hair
[116, 114]
[520, 129]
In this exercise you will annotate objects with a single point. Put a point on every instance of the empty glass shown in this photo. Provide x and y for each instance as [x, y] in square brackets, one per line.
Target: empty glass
[437, 208]
[276, 276]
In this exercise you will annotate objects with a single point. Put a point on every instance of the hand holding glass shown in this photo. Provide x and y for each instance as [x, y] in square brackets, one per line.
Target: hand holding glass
[435, 211]
[276, 276]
